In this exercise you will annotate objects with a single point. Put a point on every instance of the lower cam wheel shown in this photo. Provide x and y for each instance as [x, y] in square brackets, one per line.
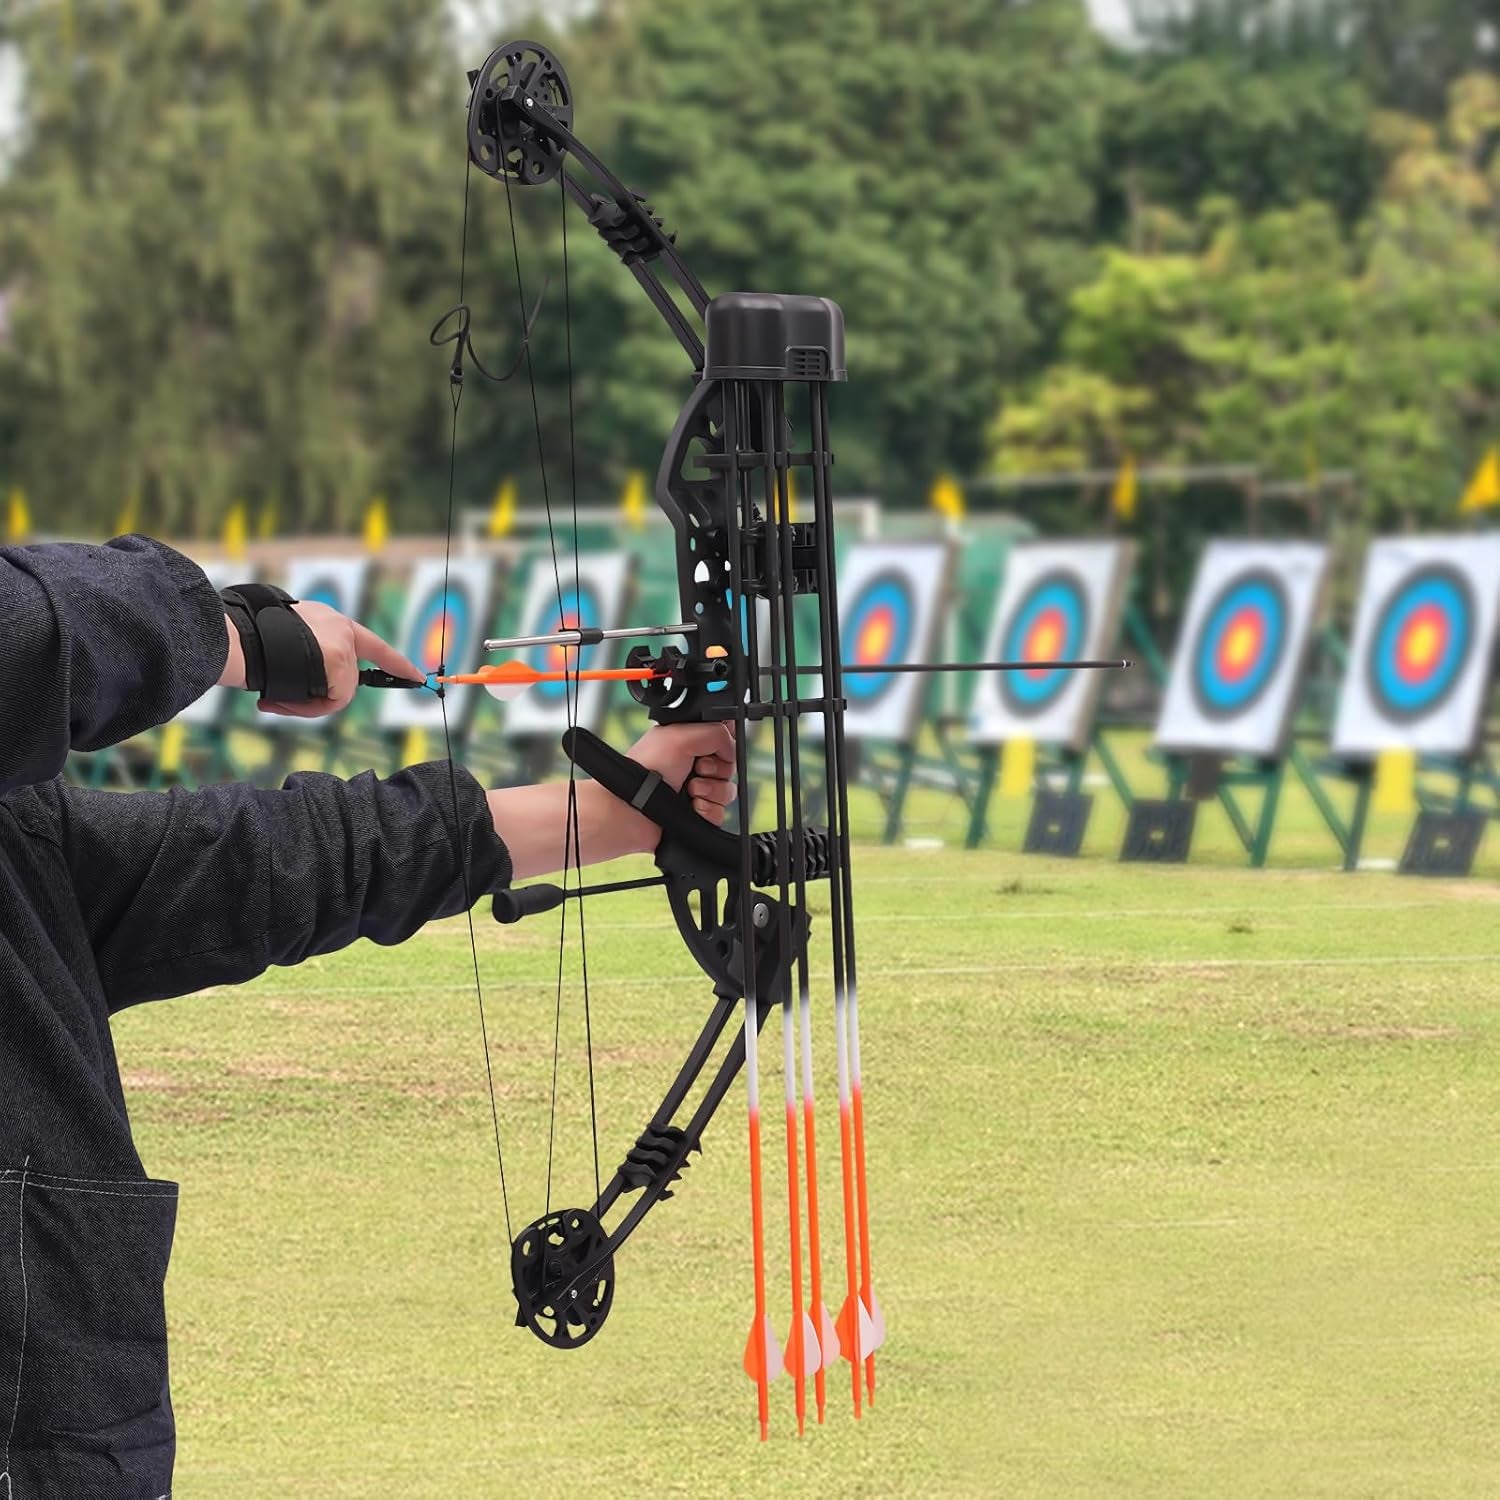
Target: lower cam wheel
[564, 1277]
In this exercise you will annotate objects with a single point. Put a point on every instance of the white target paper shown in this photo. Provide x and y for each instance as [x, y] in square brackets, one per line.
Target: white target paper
[1244, 647]
[891, 602]
[598, 594]
[1422, 659]
[469, 606]
[1059, 600]
[210, 709]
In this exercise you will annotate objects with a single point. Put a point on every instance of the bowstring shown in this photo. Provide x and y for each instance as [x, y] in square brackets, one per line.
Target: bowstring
[572, 855]
[456, 391]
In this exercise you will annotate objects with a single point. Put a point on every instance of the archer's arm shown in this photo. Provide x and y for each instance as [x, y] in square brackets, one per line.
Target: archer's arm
[183, 890]
[98, 644]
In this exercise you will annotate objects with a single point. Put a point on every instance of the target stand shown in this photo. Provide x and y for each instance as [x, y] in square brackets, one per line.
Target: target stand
[1060, 600]
[1417, 680]
[1226, 727]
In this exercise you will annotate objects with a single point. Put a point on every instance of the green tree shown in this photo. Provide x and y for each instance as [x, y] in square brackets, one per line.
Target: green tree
[931, 166]
[219, 238]
[1288, 340]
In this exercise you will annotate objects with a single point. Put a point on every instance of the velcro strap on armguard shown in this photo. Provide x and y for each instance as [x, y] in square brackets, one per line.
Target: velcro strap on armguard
[291, 668]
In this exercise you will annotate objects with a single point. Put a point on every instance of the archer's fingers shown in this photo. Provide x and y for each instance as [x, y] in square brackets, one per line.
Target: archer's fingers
[707, 739]
[712, 812]
[381, 653]
[711, 789]
[720, 767]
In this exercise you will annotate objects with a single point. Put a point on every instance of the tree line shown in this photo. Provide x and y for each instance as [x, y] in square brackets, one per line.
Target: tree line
[1258, 232]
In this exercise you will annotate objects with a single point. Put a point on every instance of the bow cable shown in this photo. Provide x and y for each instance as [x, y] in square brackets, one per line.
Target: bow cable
[456, 392]
[572, 854]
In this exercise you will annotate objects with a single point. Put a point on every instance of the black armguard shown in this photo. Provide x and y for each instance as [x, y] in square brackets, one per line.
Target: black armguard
[283, 661]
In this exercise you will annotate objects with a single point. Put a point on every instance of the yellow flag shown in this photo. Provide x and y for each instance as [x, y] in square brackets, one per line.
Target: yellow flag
[130, 517]
[1123, 497]
[1396, 781]
[236, 531]
[377, 524]
[17, 517]
[503, 511]
[169, 752]
[1017, 767]
[946, 498]
[414, 746]
[1484, 488]
[633, 500]
[266, 522]
[791, 498]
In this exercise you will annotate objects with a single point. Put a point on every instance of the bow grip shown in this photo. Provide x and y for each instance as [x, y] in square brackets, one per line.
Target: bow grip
[645, 791]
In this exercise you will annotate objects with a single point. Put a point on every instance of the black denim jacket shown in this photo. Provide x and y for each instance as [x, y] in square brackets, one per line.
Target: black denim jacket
[108, 899]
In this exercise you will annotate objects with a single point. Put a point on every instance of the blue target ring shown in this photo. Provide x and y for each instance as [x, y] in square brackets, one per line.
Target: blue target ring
[1423, 637]
[1240, 645]
[579, 610]
[1049, 623]
[877, 629]
[440, 628]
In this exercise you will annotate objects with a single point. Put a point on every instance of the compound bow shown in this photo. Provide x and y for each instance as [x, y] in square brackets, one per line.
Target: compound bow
[758, 411]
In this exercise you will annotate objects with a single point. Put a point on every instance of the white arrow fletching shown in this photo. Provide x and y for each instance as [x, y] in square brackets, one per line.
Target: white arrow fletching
[763, 1345]
[877, 1324]
[812, 1353]
[829, 1339]
[506, 692]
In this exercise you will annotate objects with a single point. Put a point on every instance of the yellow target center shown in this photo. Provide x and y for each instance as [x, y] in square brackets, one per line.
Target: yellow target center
[1240, 646]
[1423, 645]
[1046, 641]
[877, 642]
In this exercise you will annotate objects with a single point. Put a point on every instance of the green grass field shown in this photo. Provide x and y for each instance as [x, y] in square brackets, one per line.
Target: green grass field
[1186, 1182]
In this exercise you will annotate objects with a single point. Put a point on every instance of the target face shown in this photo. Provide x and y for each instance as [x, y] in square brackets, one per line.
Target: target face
[580, 611]
[891, 598]
[1423, 637]
[1420, 668]
[877, 631]
[1050, 623]
[1243, 649]
[1057, 600]
[442, 619]
[1241, 644]
[443, 625]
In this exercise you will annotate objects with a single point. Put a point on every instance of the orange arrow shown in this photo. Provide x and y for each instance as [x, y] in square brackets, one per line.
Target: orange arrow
[510, 679]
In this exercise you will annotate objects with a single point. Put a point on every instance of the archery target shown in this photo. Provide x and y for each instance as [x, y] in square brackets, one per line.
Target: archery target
[211, 708]
[1244, 647]
[891, 600]
[1240, 646]
[441, 627]
[1059, 600]
[339, 582]
[593, 595]
[1424, 634]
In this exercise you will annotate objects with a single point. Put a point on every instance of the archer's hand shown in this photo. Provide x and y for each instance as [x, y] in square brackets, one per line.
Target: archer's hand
[344, 644]
[695, 758]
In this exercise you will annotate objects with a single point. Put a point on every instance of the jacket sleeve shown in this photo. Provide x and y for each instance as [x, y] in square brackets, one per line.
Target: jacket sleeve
[98, 644]
[183, 890]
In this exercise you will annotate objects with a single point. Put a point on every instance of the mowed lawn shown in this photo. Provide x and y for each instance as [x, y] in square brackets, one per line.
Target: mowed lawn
[1185, 1182]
